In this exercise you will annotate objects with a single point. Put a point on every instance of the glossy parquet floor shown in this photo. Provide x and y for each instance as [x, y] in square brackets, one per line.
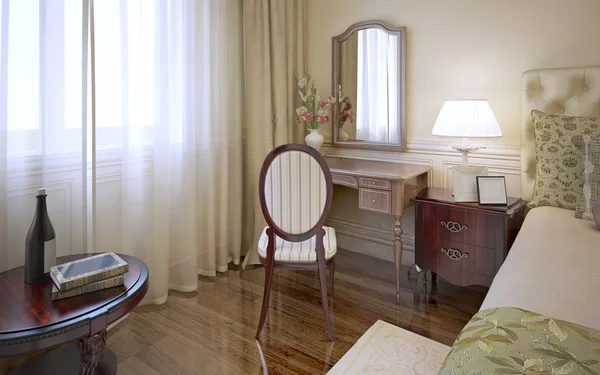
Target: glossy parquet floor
[211, 331]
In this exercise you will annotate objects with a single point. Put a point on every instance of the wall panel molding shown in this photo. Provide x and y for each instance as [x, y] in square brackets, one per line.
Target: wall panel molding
[491, 151]
[366, 233]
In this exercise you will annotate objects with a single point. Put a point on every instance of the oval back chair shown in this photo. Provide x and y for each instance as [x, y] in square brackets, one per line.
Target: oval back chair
[296, 191]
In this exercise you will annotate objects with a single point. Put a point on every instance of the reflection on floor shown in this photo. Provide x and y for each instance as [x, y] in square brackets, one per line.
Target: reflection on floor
[211, 331]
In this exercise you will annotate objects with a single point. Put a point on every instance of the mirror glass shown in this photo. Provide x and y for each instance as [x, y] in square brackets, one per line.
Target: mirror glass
[369, 77]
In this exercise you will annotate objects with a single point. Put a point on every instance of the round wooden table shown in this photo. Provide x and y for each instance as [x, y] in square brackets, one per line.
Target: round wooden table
[30, 321]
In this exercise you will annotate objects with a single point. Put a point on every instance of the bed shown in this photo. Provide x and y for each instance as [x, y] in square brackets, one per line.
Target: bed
[542, 312]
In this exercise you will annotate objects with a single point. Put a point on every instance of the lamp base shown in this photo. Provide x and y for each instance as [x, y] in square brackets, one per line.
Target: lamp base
[464, 182]
[464, 149]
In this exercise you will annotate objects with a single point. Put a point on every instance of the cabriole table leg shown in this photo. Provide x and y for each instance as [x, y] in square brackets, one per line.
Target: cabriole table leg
[92, 348]
[398, 252]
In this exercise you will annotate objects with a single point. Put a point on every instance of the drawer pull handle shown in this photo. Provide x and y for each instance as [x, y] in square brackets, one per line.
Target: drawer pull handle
[454, 254]
[454, 226]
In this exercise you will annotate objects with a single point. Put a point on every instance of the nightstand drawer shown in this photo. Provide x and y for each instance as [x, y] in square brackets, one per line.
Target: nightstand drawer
[375, 184]
[457, 256]
[464, 226]
[373, 200]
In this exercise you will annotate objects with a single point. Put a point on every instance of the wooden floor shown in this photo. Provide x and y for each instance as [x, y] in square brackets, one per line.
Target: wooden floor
[211, 331]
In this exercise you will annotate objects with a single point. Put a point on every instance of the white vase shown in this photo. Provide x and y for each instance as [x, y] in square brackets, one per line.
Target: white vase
[342, 135]
[314, 139]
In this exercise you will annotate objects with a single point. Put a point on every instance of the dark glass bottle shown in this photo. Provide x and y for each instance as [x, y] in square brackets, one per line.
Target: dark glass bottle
[40, 244]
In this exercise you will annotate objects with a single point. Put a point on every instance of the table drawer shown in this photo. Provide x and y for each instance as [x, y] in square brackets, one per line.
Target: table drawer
[374, 184]
[457, 256]
[374, 200]
[465, 226]
[342, 179]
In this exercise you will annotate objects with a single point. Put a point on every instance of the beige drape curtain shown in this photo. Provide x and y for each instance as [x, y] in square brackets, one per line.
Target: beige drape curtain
[274, 49]
[179, 205]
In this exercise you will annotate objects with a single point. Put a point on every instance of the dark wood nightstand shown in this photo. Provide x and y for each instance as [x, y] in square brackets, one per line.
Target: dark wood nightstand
[464, 243]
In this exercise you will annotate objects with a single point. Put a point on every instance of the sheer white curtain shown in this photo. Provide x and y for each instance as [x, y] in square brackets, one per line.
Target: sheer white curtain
[43, 122]
[377, 82]
[156, 173]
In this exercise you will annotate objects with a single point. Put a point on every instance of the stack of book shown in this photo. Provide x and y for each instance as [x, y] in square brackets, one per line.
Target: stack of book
[88, 275]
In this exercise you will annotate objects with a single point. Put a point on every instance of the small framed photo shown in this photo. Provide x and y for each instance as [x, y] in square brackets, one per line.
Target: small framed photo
[491, 190]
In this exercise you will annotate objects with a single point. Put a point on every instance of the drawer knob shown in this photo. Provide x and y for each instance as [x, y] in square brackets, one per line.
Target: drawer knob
[373, 200]
[454, 226]
[373, 183]
[454, 254]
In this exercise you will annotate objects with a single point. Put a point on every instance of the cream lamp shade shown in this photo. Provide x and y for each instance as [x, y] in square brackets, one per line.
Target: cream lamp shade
[466, 118]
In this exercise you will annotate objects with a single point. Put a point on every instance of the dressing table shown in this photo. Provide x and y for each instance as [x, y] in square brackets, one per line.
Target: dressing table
[368, 81]
[383, 187]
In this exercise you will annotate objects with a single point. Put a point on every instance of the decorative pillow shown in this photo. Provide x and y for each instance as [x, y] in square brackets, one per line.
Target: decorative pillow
[559, 176]
[590, 191]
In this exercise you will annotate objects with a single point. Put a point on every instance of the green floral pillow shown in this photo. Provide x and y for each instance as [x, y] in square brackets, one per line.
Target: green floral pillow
[559, 177]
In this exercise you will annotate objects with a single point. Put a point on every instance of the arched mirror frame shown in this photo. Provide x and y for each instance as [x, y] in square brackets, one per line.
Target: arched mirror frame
[336, 41]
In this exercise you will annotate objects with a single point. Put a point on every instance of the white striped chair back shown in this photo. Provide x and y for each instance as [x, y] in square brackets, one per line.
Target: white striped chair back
[295, 191]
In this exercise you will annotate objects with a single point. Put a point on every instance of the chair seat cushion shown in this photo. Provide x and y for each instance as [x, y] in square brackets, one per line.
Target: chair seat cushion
[304, 251]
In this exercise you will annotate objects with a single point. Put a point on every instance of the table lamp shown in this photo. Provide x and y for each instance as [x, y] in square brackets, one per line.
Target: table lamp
[466, 119]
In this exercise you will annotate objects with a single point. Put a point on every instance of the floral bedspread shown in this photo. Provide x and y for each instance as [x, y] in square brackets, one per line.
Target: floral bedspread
[507, 340]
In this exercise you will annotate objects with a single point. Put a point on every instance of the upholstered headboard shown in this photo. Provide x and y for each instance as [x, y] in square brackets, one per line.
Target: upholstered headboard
[564, 91]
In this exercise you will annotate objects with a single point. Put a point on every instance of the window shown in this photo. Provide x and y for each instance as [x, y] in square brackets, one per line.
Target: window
[47, 45]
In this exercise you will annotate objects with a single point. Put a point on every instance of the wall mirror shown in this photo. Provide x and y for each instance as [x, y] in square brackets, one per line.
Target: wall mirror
[368, 82]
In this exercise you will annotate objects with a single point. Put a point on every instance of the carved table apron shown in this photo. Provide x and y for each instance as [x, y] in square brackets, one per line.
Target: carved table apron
[384, 187]
[31, 322]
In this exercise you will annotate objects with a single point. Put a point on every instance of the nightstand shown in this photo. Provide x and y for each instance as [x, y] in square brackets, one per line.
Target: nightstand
[464, 243]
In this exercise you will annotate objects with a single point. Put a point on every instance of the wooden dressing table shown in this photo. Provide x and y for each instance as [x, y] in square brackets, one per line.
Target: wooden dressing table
[384, 187]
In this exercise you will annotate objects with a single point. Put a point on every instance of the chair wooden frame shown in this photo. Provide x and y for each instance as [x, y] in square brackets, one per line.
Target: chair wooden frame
[317, 230]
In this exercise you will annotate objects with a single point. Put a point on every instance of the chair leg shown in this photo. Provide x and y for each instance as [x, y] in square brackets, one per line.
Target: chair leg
[267, 290]
[331, 276]
[323, 281]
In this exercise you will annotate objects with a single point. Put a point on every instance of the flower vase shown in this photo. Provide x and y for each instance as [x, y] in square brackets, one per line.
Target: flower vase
[314, 139]
[342, 135]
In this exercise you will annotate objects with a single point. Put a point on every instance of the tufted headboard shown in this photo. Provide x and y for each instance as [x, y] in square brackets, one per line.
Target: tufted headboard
[564, 91]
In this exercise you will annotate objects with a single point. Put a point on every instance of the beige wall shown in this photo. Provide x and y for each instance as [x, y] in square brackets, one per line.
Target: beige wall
[455, 49]
[465, 49]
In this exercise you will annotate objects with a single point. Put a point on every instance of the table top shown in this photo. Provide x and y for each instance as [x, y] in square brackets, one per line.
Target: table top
[375, 169]
[444, 196]
[27, 310]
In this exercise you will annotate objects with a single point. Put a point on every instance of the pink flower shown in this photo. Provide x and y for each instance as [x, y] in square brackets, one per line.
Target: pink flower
[327, 102]
[322, 116]
[300, 113]
[346, 111]
[303, 80]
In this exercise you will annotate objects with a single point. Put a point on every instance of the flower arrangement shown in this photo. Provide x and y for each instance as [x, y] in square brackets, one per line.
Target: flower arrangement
[315, 110]
[345, 109]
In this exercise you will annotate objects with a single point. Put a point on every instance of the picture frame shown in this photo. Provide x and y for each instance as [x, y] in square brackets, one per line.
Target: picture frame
[465, 183]
[491, 191]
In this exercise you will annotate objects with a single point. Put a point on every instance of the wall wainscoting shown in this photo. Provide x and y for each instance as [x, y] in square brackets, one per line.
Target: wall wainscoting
[371, 234]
